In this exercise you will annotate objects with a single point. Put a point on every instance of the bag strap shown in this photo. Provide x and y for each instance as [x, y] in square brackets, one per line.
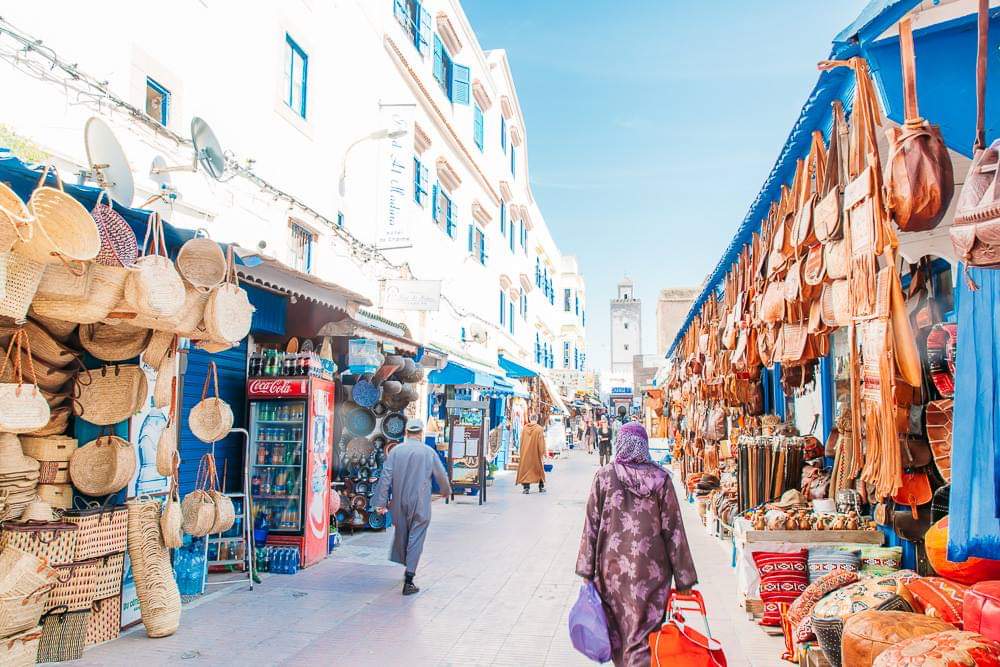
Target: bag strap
[982, 50]
[231, 276]
[213, 374]
[908, 62]
[45, 173]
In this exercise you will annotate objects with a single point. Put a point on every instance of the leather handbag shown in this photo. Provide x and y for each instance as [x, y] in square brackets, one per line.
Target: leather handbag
[916, 490]
[975, 232]
[827, 214]
[915, 451]
[938, 416]
[773, 303]
[981, 609]
[814, 270]
[918, 173]
[677, 644]
[803, 233]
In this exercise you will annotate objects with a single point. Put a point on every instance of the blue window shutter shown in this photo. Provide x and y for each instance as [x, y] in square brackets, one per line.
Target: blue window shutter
[439, 72]
[424, 179]
[423, 31]
[477, 126]
[503, 217]
[503, 133]
[460, 84]
[502, 308]
[513, 161]
[510, 316]
[416, 180]
[451, 222]
[483, 255]
[511, 236]
[434, 203]
[472, 233]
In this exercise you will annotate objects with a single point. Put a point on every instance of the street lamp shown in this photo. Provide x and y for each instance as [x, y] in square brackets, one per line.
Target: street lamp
[384, 133]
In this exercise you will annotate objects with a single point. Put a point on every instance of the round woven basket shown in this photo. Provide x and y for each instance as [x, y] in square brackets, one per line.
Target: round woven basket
[103, 466]
[201, 262]
[118, 342]
[49, 448]
[198, 508]
[63, 228]
[57, 425]
[155, 288]
[110, 394]
[225, 512]
[15, 218]
[166, 447]
[21, 277]
[211, 420]
[228, 313]
[172, 520]
[159, 599]
[105, 291]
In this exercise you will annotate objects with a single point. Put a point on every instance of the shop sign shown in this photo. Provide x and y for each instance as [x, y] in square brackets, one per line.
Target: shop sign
[276, 388]
[621, 391]
[396, 178]
[411, 294]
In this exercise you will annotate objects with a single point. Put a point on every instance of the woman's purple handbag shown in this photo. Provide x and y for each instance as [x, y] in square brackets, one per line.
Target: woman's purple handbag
[588, 625]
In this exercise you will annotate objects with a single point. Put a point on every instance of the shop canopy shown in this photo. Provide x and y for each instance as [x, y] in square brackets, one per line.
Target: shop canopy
[555, 400]
[946, 55]
[513, 369]
[455, 373]
[520, 391]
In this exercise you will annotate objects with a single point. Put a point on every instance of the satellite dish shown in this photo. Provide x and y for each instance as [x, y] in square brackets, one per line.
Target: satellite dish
[158, 173]
[108, 164]
[207, 152]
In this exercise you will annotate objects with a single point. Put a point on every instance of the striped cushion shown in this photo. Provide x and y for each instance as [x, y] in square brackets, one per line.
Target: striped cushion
[827, 559]
[783, 577]
[939, 598]
[881, 560]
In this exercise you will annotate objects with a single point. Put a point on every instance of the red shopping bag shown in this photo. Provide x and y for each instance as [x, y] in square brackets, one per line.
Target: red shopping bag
[677, 644]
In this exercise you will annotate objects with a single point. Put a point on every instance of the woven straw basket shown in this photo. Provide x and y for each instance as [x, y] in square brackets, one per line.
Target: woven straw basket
[228, 314]
[118, 242]
[110, 395]
[64, 230]
[21, 572]
[63, 635]
[201, 262]
[160, 344]
[45, 347]
[187, 321]
[105, 292]
[102, 529]
[159, 599]
[15, 218]
[57, 495]
[61, 330]
[103, 466]
[211, 419]
[49, 378]
[118, 342]
[105, 620]
[166, 382]
[57, 425]
[21, 276]
[198, 508]
[109, 574]
[21, 649]
[20, 612]
[61, 281]
[53, 472]
[154, 288]
[75, 586]
[166, 446]
[172, 519]
[52, 542]
[49, 448]
[23, 409]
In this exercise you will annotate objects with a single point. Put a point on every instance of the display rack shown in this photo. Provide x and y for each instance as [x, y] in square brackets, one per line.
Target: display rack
[468, 424]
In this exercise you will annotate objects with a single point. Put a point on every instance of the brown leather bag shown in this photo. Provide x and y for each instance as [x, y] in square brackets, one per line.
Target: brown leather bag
[975, 233]
[915, 451]
[915, 491]
[939, 434]
[827, 214]
[772, 305]
[803, 233]
[918, 175]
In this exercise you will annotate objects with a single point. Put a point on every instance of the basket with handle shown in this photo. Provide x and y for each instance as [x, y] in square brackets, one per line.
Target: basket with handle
[677, 643]
[64, 281]
[63, 634]
[117, 342]
[22, 407]
[75, 585]
[166, 445]
[53, 448]
[118, 243]
[159, 599]
[64, 231]
[109, 575]
[61, 330]
[22, 573]
[225, 512]
[49, 378]
[172, 516]
[198, 506]
[21, 649]
[165, 386]
[16, 221]
[45, 346]
[154, 287]
[105, 620]
[202, 264]
[103, 528]
[160, 344]
[59, 496]
[111, 394]
[20, 612]
[229, 313]
[103, 466]
[212, 418]
[106, 288]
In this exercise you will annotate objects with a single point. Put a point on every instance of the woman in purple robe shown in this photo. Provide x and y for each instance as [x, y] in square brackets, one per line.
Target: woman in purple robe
[633, 546]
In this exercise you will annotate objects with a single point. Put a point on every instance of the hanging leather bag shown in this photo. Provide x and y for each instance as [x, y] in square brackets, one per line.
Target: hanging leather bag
[827, 218]
[939, 434]
[918, 174]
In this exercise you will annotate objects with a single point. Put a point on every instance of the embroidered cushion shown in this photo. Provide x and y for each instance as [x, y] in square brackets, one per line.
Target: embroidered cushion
[783, 577]
[881, 560]
[953, 648]
[939, 598]
[827, 559]
[816, 591]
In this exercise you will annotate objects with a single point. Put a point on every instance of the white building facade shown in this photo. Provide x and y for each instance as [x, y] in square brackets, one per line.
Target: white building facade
[626, 334]
[377, 147]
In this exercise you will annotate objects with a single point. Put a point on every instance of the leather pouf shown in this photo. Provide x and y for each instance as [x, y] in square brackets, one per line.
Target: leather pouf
[954, 648]
[968, 572]
[981, 609]
[868, 633]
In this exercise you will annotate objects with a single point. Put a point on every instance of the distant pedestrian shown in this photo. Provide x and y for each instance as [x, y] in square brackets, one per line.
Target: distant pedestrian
[591, 437]
[407, 473]
[616, 425]
[530, 465]
[634, 546]
[604, 436]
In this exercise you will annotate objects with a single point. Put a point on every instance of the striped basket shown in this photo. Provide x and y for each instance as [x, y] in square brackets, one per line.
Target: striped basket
[76, 585]
[63, 634]
[53, 542]
[109, 575]
[105, 620]
[102, 530]
[21, 649]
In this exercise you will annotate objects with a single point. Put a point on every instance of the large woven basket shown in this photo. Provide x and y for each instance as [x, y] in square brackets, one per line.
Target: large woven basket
[161, 343]
[57, 425]
[154, 288]
[59, 496]
[21, 650]
[228, 314]
[166, 446]
[186, 322]
[61, 330]
[105, 620]
[211, 419]
[53, 542]
[22, 573]
[103, 466]
[56, 448]
[159, 599]
[53, 472]
[111, 394]
[201, 262]
[172, 519]
[21, 276]
[45, 346]
[75, 587]
[15, 218]
[63, 635]
[103, 530]
[20, 612]
[105, 292]
[63, 230]
[47, 377]
[62, 281]
[118, 342]
[198, 508]
[109, 575]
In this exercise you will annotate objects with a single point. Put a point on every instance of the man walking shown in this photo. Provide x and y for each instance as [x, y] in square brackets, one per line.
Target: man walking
[530, 465]
[407, 473]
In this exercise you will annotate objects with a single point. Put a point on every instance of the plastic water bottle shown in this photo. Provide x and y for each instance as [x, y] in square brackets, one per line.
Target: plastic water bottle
[282, 561]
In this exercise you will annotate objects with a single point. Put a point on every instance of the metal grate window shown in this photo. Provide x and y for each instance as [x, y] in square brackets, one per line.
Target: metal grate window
[301, 242]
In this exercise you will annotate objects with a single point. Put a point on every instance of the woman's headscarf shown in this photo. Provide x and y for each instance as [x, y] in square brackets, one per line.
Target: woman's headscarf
[633, 464]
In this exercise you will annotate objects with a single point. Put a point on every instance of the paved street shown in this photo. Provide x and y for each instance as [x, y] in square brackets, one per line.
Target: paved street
[497, 585]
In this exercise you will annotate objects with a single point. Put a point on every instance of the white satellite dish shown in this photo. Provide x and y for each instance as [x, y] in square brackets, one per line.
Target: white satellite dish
[108, 164]
[207, 152]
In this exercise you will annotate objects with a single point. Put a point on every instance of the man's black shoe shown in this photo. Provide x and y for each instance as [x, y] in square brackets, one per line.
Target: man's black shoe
[409, 588]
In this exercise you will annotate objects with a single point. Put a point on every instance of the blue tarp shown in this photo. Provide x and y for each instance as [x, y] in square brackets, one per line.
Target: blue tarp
[513, 369]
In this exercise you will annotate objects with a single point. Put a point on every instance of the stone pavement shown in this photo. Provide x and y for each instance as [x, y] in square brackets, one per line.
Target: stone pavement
[497, 584]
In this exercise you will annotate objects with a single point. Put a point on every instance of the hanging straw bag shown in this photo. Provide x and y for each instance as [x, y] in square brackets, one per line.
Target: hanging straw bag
[172, 518]
[160, 343]
[114, 342]
[159, 599]
[64, 281]
[103, 466]
[23, 409]
[225, 512]
[166, 446]
[166, 379]
[198, 506]
[109, 395]
[21, 275]
[56, 448]
[16, 221]
[45, 347]
[201, 263]
[228, 313]
[118, 243]
[21, 649]
[105, 290]
[212, 418]
[154, 288]
[64, 230]
[57, 425]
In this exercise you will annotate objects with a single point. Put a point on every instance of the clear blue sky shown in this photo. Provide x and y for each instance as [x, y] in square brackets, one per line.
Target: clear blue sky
[652, 124]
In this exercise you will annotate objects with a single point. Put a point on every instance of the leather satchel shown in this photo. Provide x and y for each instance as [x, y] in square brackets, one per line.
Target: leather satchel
[836, 258]
[975, 232]
[915, 451]
[939, 433]
[941, 348]
[981, 609]
[772, 306]
[915, 491]
[919, 180]
[827, 214]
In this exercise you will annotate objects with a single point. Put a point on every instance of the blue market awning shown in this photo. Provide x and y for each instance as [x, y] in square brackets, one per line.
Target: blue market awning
[513, 369]
[455, 373]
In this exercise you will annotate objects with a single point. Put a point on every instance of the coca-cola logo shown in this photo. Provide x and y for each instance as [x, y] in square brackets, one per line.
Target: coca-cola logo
[262, 387]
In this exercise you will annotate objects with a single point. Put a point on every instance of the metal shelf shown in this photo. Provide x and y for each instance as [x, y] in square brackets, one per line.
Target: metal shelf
[277, 465]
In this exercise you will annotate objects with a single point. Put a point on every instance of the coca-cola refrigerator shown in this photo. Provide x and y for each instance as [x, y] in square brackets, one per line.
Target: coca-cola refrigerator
[291, 452]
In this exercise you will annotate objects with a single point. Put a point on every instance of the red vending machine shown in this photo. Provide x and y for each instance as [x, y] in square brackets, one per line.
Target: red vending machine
[291, 451]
